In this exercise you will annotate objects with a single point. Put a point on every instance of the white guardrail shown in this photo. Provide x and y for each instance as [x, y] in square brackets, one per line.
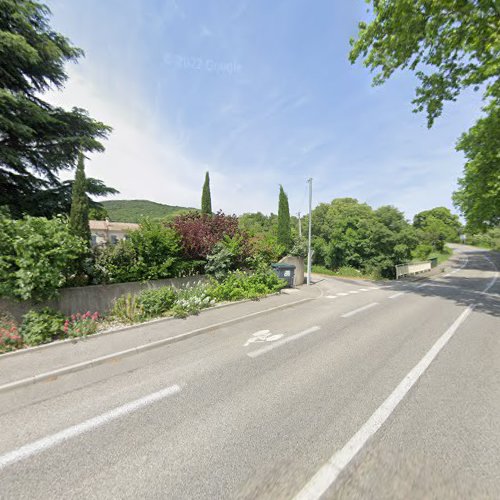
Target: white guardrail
[412, 268]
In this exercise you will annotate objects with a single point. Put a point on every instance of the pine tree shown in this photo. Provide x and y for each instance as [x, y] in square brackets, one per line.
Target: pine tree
[79, 216]
[284, 231]
[206, 199]
[37, 139]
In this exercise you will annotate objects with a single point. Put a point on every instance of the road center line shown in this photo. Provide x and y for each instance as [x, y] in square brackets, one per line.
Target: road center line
[356, 311]
[330, 471]
[279, 343]
[76, 430]
[396, 295]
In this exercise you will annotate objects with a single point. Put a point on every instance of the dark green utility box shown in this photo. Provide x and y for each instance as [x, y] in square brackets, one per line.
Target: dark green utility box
[285, 272]
[434, 262]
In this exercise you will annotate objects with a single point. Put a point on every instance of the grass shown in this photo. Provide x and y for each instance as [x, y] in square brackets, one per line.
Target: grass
[342, 272]
[442, 256]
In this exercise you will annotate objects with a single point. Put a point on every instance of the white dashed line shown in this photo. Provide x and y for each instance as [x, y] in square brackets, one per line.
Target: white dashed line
[396, 295]
[356, 311]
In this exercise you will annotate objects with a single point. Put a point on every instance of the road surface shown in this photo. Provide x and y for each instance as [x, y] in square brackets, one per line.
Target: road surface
[387, 390]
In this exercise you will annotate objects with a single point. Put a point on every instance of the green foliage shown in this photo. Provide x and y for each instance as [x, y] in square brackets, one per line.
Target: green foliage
[98, 213]
[37, 256]
[81, 325]
[488, 239]
[127, 309]
[349, 233]
[451, 46]
[79, 216]
[227, 255]
[284, 230]
[137, 210]
[265, 249]
[478, 196]
[423, 251]
[151, 252]
[299, 247]
[206, 199]
[10, 338]
[191, 301]
[343, 272]
[239, 285]
[154, 302]
[40, 327]
[38, 140]
[258, 224]
[436, 226]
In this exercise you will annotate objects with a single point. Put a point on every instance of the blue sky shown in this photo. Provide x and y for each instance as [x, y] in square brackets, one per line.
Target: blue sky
[259, 93]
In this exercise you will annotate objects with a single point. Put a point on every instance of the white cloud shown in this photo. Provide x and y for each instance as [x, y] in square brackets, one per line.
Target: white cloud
[145, 159]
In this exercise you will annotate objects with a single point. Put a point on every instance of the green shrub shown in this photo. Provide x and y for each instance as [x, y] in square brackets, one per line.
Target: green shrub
[10, 339]
[37, 256]
[227, 255]
[154, 302]
[127, 309]
[422, 251]
[149, 253]
[81, 325]
[192, 300]
[42, 326]
[239, 285]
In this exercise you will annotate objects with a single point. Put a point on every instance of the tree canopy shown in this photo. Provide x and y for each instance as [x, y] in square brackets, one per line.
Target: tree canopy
[451, 45]
[37, 140]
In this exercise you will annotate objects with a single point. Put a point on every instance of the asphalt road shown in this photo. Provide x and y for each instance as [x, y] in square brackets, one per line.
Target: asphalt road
[367, 391]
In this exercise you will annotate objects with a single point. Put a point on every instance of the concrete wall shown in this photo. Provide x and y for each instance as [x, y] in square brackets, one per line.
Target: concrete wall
[298, 262]
[95, 297]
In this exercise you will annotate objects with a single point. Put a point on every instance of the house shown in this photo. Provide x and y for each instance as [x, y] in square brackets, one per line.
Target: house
[104, 231]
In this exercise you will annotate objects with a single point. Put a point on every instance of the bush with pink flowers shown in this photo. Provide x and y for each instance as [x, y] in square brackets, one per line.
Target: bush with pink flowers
[80, 325]
[10, 338]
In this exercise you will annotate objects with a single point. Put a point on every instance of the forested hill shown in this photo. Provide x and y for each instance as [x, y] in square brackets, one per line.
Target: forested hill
[134, 210]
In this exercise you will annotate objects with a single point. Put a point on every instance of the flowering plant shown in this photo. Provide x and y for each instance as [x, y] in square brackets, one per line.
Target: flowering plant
[80, 325]
[10, 339]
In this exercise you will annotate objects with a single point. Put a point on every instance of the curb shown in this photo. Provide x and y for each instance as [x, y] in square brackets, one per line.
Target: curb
[55, 343]
[52, 375]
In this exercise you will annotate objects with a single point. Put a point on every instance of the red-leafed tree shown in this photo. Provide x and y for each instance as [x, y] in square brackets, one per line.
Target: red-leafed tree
[200, 232]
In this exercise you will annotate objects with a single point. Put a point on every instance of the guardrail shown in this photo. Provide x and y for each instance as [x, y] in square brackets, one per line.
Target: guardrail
[412, 268]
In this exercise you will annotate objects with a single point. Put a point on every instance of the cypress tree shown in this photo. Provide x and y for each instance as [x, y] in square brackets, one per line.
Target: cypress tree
[284, 230]
[206, 199]
[79, 215]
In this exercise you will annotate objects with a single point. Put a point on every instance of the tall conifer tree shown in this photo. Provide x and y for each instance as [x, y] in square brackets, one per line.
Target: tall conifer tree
[79, 216]
[284, 230]
[206, 199]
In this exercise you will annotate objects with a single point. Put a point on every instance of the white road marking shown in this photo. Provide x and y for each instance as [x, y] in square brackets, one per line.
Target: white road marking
[281, 342]
[342, 294]
[363, 289]
[262, 336]
[356, 311]
[76, 430]
[331, 296]
[396, 295]
[353, 291]
[329, 472]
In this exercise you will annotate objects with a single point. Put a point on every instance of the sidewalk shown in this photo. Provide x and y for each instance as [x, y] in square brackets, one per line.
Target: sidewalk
[31, 363]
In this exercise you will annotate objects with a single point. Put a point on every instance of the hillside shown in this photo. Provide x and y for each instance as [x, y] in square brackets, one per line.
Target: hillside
[134, 210]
